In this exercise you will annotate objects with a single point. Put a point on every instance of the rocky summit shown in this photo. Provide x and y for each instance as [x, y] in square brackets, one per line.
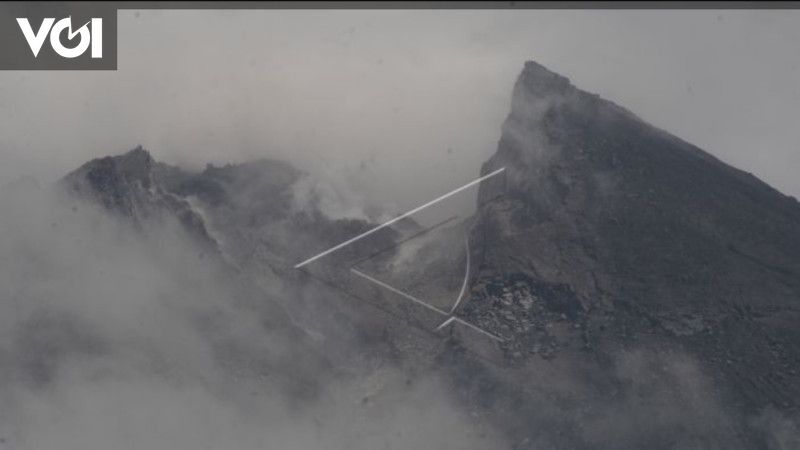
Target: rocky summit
[646, 293]
[643, 239]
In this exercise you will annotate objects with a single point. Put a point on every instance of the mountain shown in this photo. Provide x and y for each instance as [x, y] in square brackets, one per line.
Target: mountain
[638, 239]
[646, 293]
[129, 185]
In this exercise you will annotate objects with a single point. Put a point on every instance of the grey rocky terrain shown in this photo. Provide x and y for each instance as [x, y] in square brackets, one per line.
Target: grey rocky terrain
[647, 294]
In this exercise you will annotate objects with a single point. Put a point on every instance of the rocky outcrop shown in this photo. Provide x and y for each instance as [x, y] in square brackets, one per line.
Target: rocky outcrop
[653, 239]
[129, 185]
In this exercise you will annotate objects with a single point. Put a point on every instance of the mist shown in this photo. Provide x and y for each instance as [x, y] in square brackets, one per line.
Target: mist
[117, 338]
[120, 337]
[382, 98]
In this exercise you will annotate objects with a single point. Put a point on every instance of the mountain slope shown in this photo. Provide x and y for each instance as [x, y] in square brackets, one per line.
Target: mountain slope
[640, 238]
[647, 292]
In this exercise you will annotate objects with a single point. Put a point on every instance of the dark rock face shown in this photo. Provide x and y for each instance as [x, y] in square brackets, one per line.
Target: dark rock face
[659, 241]
[129, 185]
[242, 215]
[146, 194]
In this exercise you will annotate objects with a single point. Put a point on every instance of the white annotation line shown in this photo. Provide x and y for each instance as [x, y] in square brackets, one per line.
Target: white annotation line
[479, 330]
[399, 292]
[446, 323]
[398, 218]
[464, 283]
[463, 322]
[449, 320]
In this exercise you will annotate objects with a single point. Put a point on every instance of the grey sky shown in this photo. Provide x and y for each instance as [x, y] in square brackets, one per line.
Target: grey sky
[416, 96]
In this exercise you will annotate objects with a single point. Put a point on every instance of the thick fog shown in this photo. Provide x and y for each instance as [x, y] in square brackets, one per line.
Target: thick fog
[117, 339]
[112, 337]
[403, 104]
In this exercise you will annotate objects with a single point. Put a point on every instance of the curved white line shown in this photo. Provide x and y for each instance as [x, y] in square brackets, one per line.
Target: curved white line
[464, 284]
[446, 323]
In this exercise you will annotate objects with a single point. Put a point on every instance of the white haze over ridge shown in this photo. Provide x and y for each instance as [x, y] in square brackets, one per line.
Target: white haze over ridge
[113, 339]
[411, 102]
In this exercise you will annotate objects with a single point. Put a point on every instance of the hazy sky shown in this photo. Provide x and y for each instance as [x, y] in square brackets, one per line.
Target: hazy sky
[408, 103]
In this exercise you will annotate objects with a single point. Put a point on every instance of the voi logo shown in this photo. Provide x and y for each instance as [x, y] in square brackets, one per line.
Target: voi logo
[90, 35]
